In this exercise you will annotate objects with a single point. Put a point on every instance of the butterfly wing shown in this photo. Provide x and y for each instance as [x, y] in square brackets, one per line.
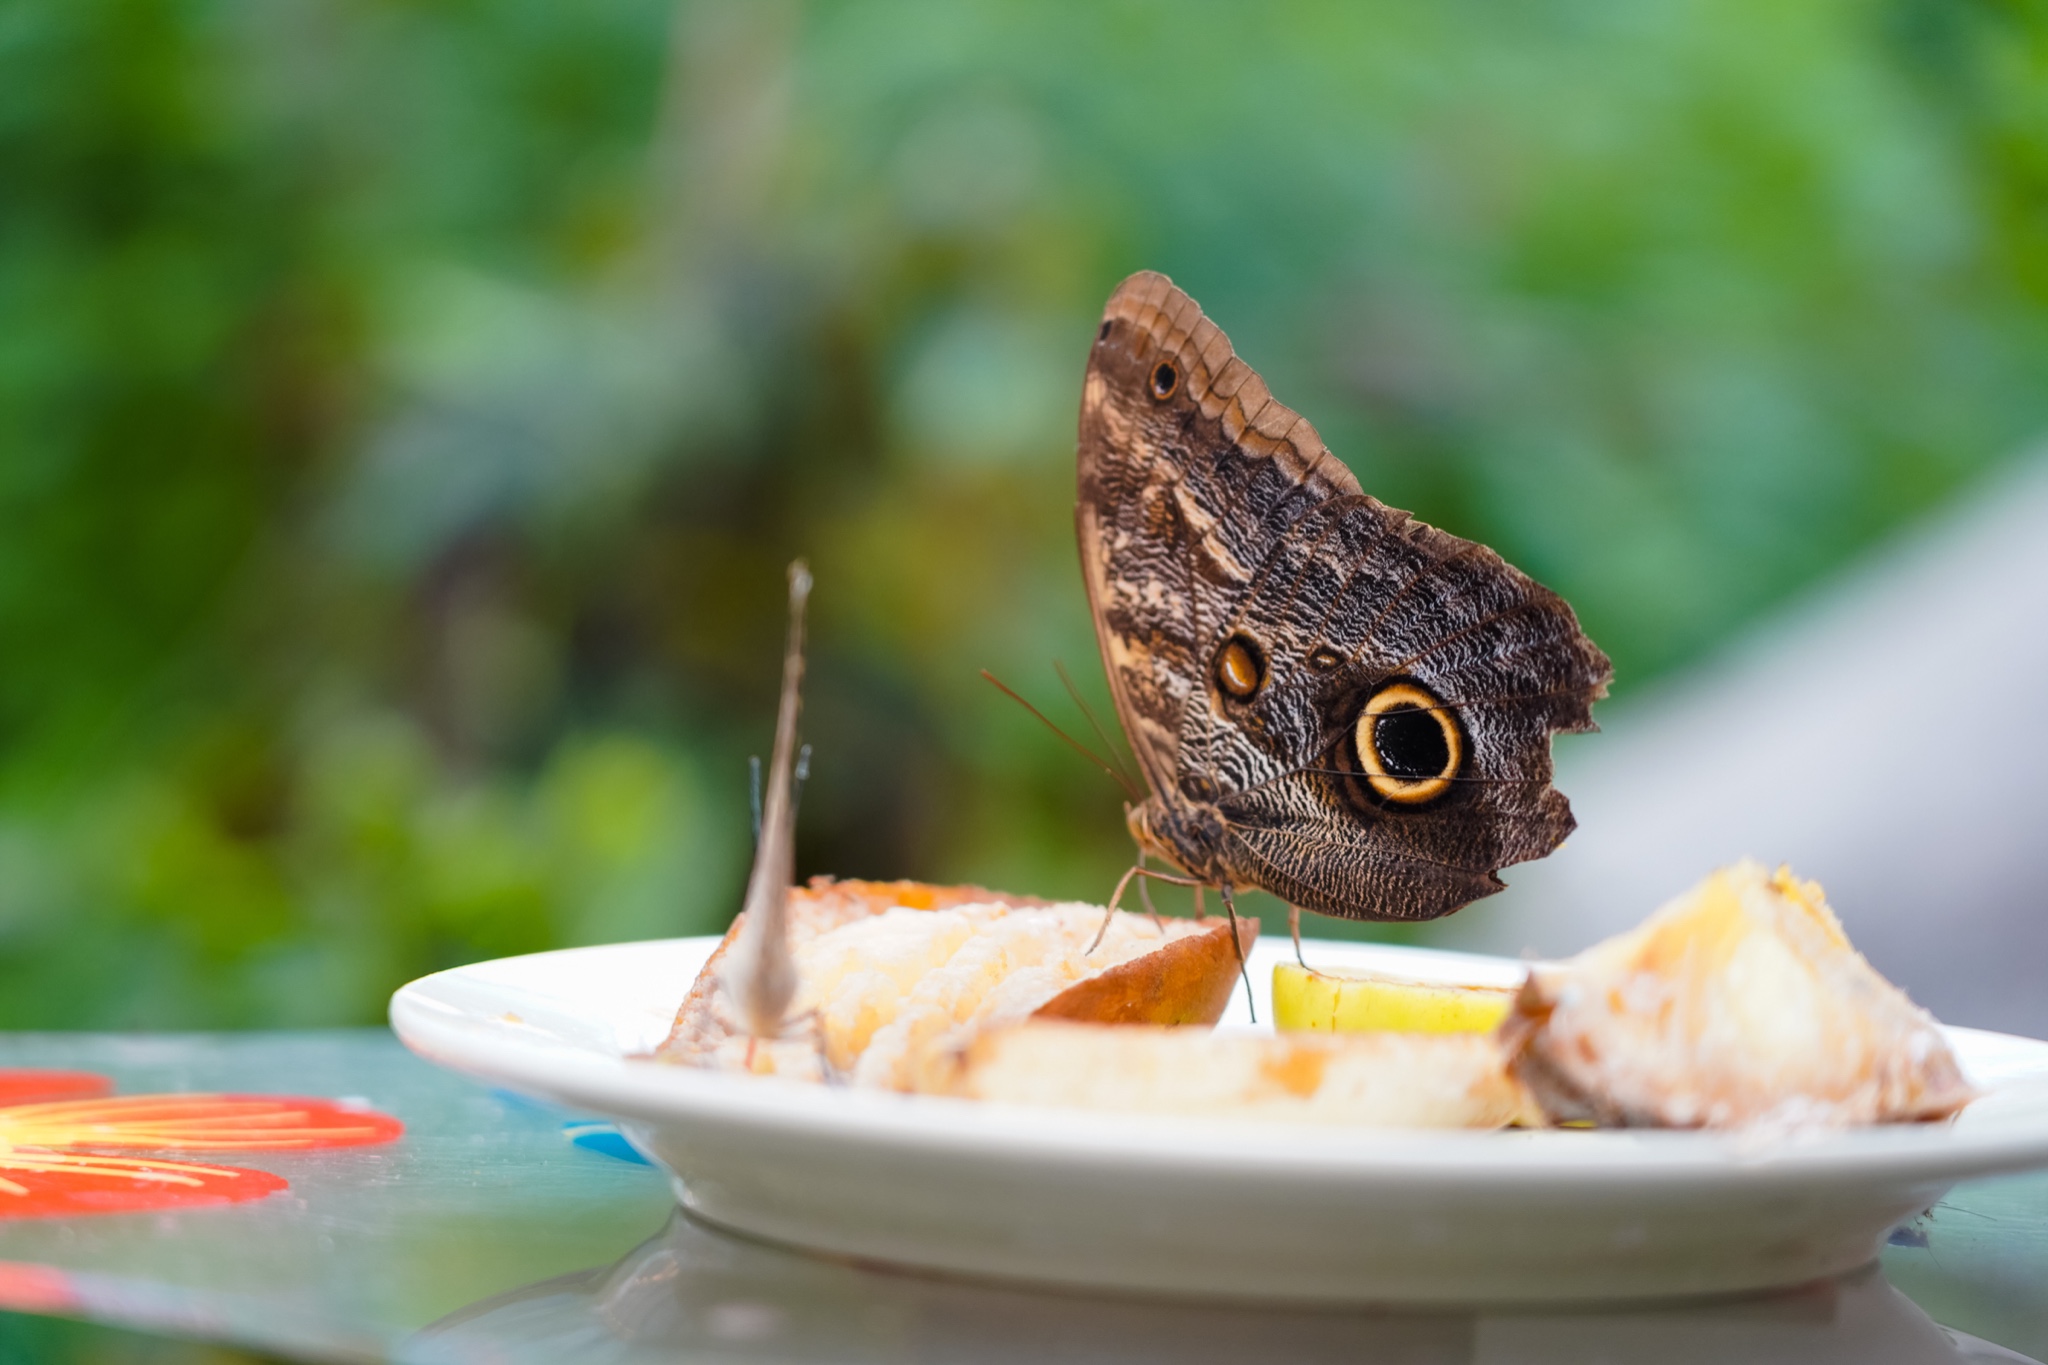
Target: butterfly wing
[1360, 603]
[1271, 633]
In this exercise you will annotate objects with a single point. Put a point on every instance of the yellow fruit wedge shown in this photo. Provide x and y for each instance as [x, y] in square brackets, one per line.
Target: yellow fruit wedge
[1340, 1001]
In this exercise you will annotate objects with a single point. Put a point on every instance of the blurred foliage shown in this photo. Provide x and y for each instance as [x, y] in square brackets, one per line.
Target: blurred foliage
[407, 408]
[53, 1341]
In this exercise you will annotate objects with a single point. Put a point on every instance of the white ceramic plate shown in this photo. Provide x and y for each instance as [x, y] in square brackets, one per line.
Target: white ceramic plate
[1199, 1206]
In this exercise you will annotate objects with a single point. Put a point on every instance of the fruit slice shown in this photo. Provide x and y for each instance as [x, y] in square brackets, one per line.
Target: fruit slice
[894, 977]
[1378, 1080]
[1352, 1001]
[1740, 1003]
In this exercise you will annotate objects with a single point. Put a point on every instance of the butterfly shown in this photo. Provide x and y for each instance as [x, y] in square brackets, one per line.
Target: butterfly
[1328, 699]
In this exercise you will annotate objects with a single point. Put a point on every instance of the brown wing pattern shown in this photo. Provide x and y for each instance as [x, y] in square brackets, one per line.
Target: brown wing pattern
[1389, 598]
[1209, 514]
[1180, 500]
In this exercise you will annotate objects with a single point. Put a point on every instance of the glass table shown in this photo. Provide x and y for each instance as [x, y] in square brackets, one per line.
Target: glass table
[501, 1230]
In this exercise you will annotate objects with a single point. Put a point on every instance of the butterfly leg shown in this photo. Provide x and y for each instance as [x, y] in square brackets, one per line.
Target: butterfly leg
[1145, 895]
[815, 1017]
[1109, 911]
[1116, 896]
[1243, 972]
[1294, 928]
[794, 1026]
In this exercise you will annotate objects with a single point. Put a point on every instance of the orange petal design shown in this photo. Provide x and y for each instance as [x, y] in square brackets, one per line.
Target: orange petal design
[22, 1086]
[61, 1184]
[219, 1123]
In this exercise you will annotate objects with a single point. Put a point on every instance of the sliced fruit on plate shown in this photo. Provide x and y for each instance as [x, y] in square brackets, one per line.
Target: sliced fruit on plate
[895, 976]
[1739, 1003]
[1386, 1080]
[1350, 1000]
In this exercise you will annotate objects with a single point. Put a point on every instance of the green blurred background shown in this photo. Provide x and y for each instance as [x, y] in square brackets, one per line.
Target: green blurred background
[407, 409]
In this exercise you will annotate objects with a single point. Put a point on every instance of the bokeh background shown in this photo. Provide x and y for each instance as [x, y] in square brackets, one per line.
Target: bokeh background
[407, 410]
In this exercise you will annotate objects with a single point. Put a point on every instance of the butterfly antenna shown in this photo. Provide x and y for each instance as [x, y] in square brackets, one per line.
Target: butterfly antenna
[1108, 744]
[1130, 789]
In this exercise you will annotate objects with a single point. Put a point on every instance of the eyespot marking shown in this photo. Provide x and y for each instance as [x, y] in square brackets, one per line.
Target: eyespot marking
[1165, 379]
[1325, 659]
[1240, 667]
[1408, 743]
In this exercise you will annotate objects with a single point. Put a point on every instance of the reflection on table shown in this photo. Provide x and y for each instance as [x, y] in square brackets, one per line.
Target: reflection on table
[473, 1239]
[694, 1293]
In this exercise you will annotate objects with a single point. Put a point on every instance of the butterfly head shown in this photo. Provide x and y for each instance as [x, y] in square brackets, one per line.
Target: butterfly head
[1187, 835]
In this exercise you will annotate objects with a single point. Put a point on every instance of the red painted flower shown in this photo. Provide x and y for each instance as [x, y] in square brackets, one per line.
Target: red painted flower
[61, 1156]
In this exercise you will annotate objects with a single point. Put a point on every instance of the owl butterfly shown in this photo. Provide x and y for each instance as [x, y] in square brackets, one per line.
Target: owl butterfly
[1329, 699]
